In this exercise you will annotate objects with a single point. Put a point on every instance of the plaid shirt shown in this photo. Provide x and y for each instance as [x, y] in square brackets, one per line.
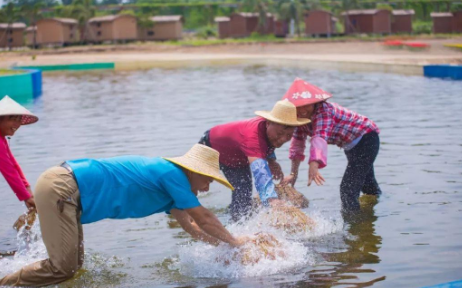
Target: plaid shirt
[333, 123]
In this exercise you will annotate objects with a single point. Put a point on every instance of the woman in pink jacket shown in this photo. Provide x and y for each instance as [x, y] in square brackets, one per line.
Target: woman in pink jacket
[12, 116]
[333, 124]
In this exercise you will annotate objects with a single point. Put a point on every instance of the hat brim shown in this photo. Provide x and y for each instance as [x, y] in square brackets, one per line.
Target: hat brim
[308, 101]
[267, 115]
[206, 171]
[26, 118]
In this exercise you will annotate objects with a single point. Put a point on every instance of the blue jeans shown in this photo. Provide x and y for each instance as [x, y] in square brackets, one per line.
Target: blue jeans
[359, 174]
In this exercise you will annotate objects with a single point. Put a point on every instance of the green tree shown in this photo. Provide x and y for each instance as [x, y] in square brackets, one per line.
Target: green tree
[348, 5]
[295, 9]
[9, 14]
[262, 8]
[110, 2]
[144, 22]
[82, 10]
[33, 13]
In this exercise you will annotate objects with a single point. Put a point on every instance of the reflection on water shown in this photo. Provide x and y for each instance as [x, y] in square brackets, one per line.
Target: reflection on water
[411, 238]
[362, 245]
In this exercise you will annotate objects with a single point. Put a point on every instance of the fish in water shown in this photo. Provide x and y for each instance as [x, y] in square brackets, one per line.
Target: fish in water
[261, 246]
[27, 219]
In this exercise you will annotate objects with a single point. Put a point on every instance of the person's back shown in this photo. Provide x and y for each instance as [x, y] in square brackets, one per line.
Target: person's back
[238, 140]
[127, 186]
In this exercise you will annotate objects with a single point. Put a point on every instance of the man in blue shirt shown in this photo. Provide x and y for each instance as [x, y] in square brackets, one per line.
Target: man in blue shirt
[88, 190]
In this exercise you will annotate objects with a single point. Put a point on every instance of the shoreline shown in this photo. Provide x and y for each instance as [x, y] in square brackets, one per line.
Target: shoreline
[350, 56]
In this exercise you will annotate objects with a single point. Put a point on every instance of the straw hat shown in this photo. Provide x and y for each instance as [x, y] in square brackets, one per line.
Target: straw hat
[284, 113]
[10, 107]
[302, 93]
[203, 160]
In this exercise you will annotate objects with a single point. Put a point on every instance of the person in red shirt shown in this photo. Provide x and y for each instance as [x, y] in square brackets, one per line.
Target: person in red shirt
[333, 124]
[247, 147]
[12, 116]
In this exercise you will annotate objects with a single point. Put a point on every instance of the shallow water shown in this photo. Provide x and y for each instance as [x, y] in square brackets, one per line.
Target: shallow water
[411, 238]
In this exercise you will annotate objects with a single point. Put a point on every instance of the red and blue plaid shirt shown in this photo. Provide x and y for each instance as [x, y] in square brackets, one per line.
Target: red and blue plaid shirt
[335, 124]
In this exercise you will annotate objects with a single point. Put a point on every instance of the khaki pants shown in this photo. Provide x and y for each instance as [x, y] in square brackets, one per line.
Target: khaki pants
[57, 198]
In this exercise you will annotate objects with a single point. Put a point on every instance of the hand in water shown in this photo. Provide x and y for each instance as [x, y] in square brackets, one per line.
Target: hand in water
[30, 203]
[291, 179]
[313, 174]
[241, 240]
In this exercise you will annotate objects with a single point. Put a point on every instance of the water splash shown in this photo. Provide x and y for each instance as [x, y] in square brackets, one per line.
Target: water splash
[97, 269]
[198, 259]
[30, 248]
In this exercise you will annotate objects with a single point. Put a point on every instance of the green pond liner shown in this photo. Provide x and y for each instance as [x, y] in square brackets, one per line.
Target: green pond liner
[17, 85]
[83, 66]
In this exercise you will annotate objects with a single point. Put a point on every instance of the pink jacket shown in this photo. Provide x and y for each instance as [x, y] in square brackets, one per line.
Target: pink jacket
[12, 172]
[330, 124]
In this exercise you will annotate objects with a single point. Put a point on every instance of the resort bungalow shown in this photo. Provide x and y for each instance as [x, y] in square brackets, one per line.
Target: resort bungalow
[402, 21]
[281, 28]
[223, 26]
[370, 21]
[442, 22]
[30, 35]
[11, 35]
[112, 28]
[244, 24]
[457, 22]
[319, 22]
[56, 31]
[169, 27]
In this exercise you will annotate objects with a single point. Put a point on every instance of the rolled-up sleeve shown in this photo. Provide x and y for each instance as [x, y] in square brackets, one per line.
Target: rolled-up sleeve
[322, 129]
[298, 144]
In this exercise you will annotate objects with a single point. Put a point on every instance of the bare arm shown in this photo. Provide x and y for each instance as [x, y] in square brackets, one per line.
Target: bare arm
[30, 203]
[292, 178]
[210, 224]
[188, 224]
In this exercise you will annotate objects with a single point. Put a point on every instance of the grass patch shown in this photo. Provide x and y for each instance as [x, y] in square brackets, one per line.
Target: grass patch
[4, 72]
[254, 39]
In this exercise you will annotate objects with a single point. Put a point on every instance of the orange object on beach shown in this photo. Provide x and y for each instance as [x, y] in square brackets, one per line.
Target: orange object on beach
[393, 43]
[416, 45]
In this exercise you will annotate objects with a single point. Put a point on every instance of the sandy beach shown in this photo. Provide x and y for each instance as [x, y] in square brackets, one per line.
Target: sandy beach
[354, 54]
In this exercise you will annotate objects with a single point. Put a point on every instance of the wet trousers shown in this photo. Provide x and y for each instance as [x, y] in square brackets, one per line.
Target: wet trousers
[359, 174]
[241, 179]
[57, 198]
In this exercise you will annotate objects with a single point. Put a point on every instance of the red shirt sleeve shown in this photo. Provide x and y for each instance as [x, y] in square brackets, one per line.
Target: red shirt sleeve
[12, 172]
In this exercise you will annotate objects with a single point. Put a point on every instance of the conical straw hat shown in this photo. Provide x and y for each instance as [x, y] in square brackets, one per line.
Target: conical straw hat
[203, 160]
[284, 113]
[10, 107]
[302, 93]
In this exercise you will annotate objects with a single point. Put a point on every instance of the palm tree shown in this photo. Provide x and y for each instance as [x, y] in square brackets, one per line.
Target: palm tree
[33, 14]
[347, 5]
[9, 14]
[82, 10]
[144, 23]
[294, 9]
[262, 9]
